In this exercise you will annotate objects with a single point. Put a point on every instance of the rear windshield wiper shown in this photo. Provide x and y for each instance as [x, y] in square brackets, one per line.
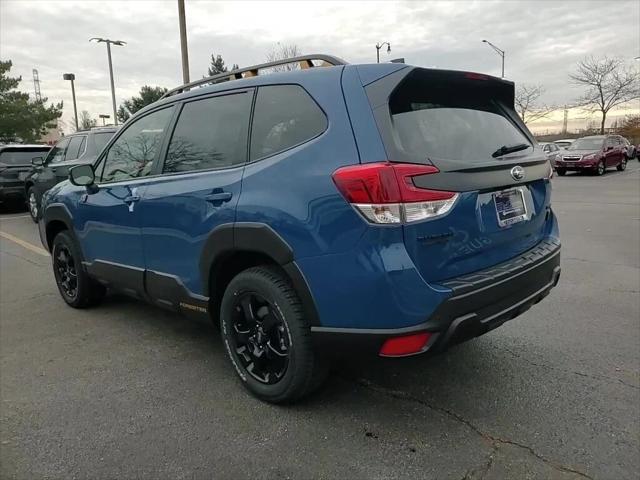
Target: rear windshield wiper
[506, 149]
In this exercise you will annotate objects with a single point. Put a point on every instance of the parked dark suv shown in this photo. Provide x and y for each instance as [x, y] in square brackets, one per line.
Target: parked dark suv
[593, 154]
[75, 149]
[15, 164]
[387, 208]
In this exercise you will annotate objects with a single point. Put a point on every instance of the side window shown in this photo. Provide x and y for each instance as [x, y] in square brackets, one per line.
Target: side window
[210, 133]
[133, 153]
[546, 148]
[76, 147]
[56, 154]
[285, 116]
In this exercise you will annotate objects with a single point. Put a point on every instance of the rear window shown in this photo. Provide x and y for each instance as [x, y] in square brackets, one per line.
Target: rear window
[461, 120]
[21, 156]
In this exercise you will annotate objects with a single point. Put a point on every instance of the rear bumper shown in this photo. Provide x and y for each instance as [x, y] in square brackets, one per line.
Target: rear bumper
[480, 302]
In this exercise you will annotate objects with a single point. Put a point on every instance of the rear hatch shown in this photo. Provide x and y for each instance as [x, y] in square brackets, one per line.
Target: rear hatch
[15, 162]
[465, 126]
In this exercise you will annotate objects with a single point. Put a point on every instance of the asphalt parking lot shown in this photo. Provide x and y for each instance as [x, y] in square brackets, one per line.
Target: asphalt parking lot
[130, 391]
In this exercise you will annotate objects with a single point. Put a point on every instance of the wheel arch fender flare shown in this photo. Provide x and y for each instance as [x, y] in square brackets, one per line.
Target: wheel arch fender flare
[230, 238]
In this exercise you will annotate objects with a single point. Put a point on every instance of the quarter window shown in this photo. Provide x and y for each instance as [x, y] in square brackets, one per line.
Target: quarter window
[134, 152]
[210, 133]
[285, 116]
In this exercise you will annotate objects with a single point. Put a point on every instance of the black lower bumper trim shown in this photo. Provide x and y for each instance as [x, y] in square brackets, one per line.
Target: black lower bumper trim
[480, 302]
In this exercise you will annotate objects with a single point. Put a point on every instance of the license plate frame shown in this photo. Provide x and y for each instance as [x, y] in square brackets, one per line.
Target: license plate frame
[510, 206]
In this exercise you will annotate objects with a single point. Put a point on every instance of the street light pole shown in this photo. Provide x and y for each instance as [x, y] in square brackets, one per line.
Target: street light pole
[72, 77]
[498, 51]
[183, 42]
[379, 46]
[113, 90]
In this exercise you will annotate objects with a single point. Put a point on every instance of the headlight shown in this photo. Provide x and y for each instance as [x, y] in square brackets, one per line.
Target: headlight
[589, 157]
[558, 157]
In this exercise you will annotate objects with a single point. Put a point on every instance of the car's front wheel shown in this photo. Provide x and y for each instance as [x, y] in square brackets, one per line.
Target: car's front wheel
[75, 286]
[561, 171]
[622, 165]
[267, 337]
[32, 203]
[601, 168]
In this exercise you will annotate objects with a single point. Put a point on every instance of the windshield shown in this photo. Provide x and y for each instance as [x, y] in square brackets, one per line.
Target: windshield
[453, 122]
[586, 144]
[101, 140]
[21, 156]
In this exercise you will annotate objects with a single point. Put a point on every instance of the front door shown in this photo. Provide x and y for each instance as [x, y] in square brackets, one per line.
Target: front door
[108, 221]
[197, 191]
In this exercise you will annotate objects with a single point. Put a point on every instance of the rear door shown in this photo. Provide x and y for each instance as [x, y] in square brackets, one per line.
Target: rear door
[465, 125]
[197, 190]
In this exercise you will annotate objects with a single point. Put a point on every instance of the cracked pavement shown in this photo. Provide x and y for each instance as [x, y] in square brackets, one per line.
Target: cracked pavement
[127, 390]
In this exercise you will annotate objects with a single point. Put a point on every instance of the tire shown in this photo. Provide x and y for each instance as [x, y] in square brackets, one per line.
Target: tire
[77, 289]
[267, 338]
[561, 171]
[622, 166]
[601, 169]
[32, 204]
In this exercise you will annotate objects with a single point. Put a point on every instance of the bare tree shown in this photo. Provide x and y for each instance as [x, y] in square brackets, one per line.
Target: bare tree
[85, 121]
[282, 52]
[609, 84]
[528, 104]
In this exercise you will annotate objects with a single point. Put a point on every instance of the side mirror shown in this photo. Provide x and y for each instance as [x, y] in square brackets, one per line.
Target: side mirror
[607, 148]
[37, 161]
[83, 176]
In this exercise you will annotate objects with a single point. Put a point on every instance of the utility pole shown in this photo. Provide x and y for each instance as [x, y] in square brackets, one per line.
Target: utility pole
[183, 42]
[565, 121]
[120, 43]
[72, 77]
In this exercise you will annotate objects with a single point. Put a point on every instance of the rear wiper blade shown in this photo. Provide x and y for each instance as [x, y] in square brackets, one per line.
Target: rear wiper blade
[506, 149]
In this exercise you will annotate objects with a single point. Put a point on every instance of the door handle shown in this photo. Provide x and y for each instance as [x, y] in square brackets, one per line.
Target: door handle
[218, 197]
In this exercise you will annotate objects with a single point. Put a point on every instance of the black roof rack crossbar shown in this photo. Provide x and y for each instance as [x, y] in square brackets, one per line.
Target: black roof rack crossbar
[305, 61]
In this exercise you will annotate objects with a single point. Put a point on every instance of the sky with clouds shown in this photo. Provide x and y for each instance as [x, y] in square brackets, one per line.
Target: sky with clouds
[543, 39]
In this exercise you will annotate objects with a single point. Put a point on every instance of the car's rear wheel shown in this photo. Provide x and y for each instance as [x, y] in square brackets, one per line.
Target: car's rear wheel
[75, 286]
[267, 337]
[561, 171]
[622, 165]
[600, 169]
[32, 203]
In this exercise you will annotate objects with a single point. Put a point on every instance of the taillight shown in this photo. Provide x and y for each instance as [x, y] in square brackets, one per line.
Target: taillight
[385, 192]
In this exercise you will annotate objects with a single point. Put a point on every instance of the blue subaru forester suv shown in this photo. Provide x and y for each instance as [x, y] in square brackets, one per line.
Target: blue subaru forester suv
[383, 208]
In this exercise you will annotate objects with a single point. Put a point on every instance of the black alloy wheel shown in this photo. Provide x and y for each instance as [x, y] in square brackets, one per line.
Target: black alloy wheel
[66, 272]
[261, 338]
[77, 289]
[267, 337]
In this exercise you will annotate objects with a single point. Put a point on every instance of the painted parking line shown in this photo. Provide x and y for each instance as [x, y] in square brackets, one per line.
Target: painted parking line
[29, 246]
[11, 217]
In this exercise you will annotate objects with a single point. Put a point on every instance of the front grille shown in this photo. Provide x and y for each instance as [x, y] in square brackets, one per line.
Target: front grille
[572, 159]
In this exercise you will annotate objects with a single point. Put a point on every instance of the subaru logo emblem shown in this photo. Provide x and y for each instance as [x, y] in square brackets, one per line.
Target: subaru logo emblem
[517, 172]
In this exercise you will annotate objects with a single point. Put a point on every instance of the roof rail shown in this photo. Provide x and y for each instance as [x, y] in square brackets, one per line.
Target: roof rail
[305, 61]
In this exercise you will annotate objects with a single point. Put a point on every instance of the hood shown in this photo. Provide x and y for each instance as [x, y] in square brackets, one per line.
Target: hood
[570, 153]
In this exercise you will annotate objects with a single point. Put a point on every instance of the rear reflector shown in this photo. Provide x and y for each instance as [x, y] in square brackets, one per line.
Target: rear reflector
[407, 345]
[385, 192]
